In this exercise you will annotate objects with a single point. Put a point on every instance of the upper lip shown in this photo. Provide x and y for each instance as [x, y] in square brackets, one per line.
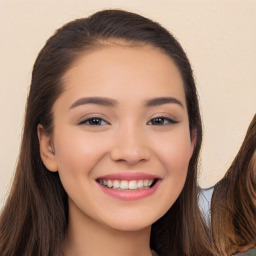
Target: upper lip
[129, 176]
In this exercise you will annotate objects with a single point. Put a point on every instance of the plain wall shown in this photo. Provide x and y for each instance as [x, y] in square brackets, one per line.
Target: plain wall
[219, 38]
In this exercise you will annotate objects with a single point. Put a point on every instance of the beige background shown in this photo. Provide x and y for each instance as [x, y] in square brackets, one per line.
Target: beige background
[218, 36]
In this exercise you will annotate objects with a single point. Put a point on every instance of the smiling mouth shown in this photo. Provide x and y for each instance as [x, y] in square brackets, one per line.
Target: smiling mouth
[127, 184]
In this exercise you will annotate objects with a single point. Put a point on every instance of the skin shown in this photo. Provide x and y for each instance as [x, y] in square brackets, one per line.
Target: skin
[128, 140]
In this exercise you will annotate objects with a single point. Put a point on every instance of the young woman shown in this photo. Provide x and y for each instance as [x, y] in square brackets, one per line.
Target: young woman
[108, 161]
[234, 202]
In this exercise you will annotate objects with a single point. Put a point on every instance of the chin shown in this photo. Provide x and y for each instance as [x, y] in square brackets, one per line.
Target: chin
[133, 221]
[130, 227]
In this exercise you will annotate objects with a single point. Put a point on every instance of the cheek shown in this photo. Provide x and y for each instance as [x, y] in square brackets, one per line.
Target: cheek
[174, 151]
[78, 153]
[176, 160]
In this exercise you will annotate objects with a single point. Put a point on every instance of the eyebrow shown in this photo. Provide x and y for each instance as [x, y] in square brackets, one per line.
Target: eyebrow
[94, 100]
[112, 103]
[162, 100]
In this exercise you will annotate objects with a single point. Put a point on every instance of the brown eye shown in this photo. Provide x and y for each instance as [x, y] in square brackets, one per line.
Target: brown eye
[95, 121]
[157, 121]
[161, 121]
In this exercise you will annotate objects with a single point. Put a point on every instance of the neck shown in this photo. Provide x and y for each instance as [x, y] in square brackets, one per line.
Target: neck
[88, 237]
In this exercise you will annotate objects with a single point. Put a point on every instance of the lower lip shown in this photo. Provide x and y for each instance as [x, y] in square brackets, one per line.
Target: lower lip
[129, 195]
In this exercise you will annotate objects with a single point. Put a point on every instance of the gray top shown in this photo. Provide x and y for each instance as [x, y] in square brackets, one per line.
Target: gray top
[204, 202]
[249, 252]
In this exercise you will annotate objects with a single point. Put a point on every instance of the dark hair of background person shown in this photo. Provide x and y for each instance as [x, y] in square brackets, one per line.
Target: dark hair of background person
[34, 220]
[233, 206]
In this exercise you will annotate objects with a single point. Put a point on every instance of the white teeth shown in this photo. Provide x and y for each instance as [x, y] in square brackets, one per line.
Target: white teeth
[146, 183]
[116, 184]
[126, 185]
[109, 183]
[133, 184]
[140, 184]
[150, 182]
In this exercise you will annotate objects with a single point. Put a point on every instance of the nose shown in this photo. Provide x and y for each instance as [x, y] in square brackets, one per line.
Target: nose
[130, 147]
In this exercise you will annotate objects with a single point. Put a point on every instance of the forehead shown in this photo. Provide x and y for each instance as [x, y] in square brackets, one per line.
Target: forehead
[138, 70]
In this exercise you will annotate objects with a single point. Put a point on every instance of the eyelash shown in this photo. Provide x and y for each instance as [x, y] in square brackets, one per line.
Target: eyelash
[93, 119]
[162, 119]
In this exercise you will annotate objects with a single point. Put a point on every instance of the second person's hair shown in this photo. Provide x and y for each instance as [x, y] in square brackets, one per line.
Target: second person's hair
[233, 206]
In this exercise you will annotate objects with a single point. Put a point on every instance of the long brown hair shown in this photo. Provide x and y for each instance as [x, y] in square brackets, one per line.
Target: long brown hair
[234, 200]
[35, 218]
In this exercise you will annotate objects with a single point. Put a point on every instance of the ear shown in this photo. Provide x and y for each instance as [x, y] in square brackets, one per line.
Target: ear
[193, 141]
[47, 151]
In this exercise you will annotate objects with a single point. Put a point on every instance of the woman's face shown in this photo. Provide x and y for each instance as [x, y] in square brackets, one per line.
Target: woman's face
[121, 136]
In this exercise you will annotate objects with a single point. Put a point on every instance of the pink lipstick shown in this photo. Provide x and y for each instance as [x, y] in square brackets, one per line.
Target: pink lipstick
[129, 186]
